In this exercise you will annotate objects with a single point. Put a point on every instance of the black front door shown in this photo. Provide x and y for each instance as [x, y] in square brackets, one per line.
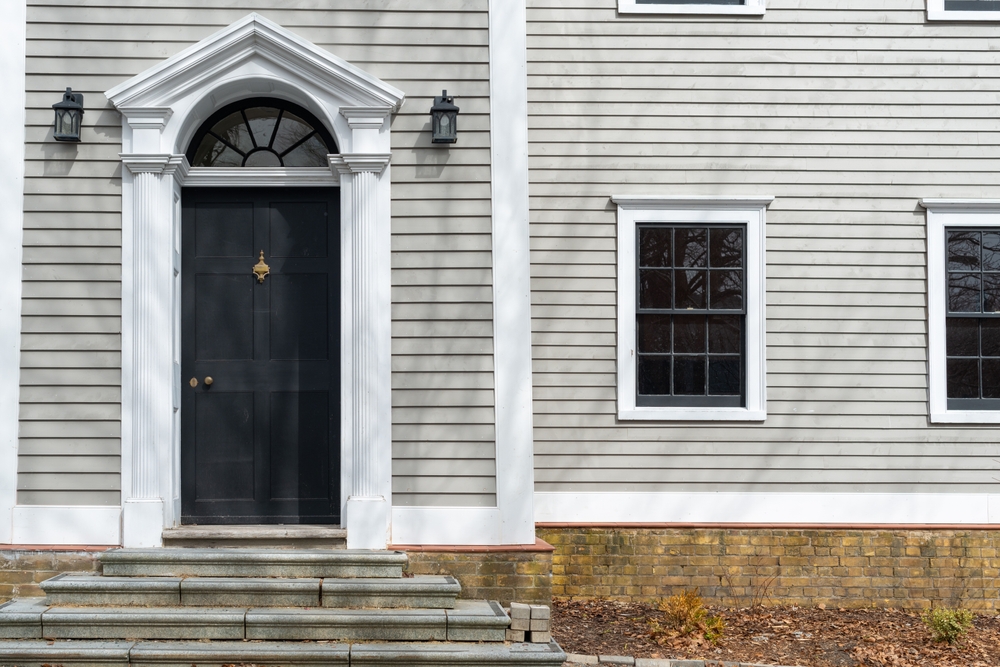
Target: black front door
[260, 440]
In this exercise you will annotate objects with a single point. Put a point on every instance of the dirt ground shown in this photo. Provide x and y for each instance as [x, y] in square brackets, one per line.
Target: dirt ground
[777, 636]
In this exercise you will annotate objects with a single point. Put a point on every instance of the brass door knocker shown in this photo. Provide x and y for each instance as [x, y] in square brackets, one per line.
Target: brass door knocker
[261, 270]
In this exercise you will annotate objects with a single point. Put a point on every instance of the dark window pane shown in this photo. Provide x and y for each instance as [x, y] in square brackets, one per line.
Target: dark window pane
[991, 337]
[213, 153]
[963, 293]
[991, 378]
[991, 251]
[654, 288]
[262, 121]
[689, 334]
[654, 333]
[963, 378]
[963, 251]
[310, 153]
[724, 335]
[962, 337]
[726, 247]
[726, 290]
[724, 376]
[262, 158]
[690, 247]
[291, 130]
[691, 289]
[991, 292]
[234, 131]
[654, 375]
[689, 376]
[967, 5]
[654, 246]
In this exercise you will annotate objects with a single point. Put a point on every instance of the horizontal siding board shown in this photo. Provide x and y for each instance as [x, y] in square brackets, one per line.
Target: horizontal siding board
[848, 113]
[444, 500]
[98, 447]
[441, 235]
[61, 497]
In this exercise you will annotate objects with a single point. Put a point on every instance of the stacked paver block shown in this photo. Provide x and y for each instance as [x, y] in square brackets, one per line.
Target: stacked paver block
[529, 623]
[215, 607]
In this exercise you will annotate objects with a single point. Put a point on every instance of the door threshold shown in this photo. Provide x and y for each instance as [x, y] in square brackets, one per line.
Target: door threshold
[288, 536]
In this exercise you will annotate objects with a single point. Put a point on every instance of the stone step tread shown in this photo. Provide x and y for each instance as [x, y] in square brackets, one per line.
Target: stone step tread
[276, 536]
[35, 653]
[430, 591]
[470, 620]
[295, 532]
[239, 562]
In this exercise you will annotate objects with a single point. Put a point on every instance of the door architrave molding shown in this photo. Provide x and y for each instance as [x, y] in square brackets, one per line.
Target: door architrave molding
[161, 109]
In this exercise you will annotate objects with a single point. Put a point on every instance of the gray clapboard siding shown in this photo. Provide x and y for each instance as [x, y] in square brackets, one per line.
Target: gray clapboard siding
[848, 112]
[442, 270]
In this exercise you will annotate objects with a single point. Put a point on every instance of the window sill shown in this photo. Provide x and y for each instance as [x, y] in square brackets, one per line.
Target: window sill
[629, 7]
[941, 15]
[966, 417]
[692, 414]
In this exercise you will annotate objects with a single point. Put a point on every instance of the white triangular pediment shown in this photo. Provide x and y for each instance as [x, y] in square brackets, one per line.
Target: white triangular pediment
[253, 38]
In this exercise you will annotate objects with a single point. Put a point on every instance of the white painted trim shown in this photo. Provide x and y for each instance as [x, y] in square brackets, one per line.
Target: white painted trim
[51, 524]
[708, 507]
[937, 12]
[942, 213]
[511, 272]
[261, 177]
[12, 82]
[254, 34]
[161, 109]
[752, 7]
[449, 526]
[749, 211]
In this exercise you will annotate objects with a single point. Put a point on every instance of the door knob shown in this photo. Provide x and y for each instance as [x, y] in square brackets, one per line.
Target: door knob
[208, 381]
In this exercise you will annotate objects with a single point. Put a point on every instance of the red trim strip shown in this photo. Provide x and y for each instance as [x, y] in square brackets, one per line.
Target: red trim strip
[784, 526]
[540, 545]
[52, 547]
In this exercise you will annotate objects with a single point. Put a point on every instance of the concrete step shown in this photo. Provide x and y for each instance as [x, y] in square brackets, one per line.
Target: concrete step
[469, 621]
[274, 654]
[280, 537]
[428, 592]
[432, 592]
[182, 562]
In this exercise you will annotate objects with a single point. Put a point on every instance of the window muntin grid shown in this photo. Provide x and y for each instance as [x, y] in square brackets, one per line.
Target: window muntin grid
[972, 326]
[690, 315]
[261, 132]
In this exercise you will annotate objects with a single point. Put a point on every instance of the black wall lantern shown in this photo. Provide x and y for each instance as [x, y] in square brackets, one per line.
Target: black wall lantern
[444, 119]
[69, 116]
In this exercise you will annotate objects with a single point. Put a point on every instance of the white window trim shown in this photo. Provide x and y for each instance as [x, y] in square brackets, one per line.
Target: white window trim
[943, 213]
[748, 211]
[937, 12]
[752, 7]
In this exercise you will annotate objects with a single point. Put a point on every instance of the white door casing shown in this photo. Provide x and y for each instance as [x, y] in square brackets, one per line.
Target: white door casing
[161, 109]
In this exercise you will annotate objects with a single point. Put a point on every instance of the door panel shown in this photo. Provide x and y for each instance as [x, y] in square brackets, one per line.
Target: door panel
[260, 444]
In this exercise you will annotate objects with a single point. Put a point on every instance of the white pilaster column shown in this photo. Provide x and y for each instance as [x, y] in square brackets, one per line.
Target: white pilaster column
[147, 360]
[366, 366]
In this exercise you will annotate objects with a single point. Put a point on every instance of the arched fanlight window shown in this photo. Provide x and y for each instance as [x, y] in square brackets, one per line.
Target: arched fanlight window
[261, 132]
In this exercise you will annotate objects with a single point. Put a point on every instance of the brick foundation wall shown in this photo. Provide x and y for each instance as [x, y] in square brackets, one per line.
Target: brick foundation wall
[895, 567]
[21, 570]
[521, 575]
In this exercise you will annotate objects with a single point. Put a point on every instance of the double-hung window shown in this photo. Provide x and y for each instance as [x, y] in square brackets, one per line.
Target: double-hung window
[691, 6]
[963, 304]
[963, 10]
[690, 308]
